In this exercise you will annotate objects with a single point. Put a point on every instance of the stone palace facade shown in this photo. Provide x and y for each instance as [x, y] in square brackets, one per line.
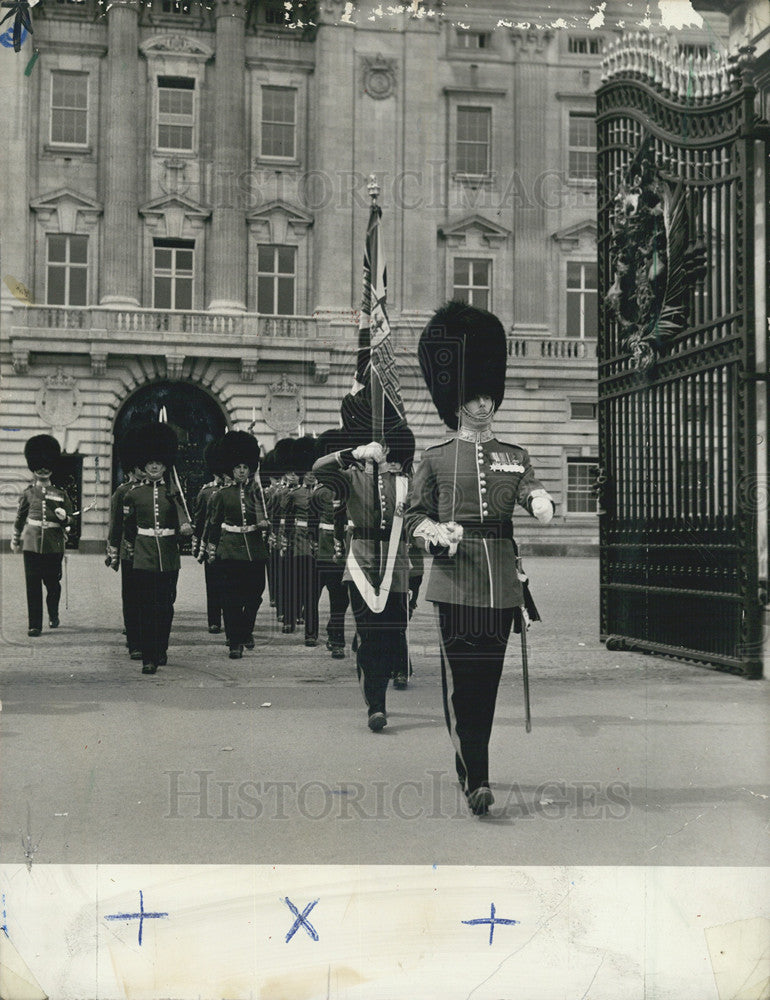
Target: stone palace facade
[186, 203]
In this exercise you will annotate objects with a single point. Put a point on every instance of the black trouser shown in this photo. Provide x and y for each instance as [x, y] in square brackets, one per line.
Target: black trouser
[243, 583]
[131, 619]
[307, 593]
[38, 570]
[270, 568]
[213, 593]
[156, 593]
[329, 575]
[381, 644]
[289, 596]
[473, 643]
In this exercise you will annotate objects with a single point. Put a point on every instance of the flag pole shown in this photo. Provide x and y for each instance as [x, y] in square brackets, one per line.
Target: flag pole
[377, 395]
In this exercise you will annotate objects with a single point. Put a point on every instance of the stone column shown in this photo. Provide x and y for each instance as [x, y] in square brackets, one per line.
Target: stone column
[226, 289]
[530, 89]
[15, 215]
[120, 258]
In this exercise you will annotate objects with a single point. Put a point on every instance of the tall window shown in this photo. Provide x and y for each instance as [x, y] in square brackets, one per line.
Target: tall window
[175, 6]
[67, 270]
[472, 281]
[275, 14]
[582, 146]
[471, 39]
[276, 274]
[172, 274]
[582, 299]
[279, 121]
[176, 113]
[474, 129]
[581, 479]
[585, 45]
[69, 108]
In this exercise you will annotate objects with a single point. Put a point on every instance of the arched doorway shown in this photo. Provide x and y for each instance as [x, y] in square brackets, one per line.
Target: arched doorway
[196, 417]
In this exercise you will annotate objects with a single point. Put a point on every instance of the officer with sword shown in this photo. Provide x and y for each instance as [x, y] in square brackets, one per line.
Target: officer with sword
[463, 498]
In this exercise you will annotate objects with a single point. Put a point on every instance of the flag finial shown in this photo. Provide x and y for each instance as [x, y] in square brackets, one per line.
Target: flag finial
[373, 188]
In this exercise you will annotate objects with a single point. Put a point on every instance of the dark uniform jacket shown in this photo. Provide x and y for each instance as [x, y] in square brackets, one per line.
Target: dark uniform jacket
[234, 530]
[201, 513]
[151, 517]
[281, 501]
[492, 477]
[117, 546]
[37, 528]
[371, 525]
[297, 536]
[327, 518]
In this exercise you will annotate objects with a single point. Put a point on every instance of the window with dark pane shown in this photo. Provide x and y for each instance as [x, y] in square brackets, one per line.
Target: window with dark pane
[582, 146]
[279, 121]
[582, 410]
[581, 483]
[173, 272]
[66, 270]
[176, 113]
[473, 140]
[472, 281]
[276, 280]
[582, 299]
[69, 108]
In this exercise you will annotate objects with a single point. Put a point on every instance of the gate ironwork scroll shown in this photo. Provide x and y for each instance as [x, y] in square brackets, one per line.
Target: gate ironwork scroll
[677, 408]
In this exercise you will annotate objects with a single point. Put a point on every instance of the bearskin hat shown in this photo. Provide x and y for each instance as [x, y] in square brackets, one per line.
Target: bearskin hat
[329, 441]
[463, 354]
[127, 450]
[239, 448]
[155, 442]
[400, 445]
[356, 413]
[304, 454]
[213, 457]
[42, 452]
[283, 456]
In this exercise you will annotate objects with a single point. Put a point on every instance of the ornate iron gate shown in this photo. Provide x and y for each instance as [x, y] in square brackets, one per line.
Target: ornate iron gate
[677, 411]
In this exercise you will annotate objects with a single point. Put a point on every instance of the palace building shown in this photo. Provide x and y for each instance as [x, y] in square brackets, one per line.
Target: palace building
[186, 204]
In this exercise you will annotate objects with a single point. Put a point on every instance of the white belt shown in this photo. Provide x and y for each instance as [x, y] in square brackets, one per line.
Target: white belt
[300, 523]
[43, 524]
[282, 521]
[325, 527]
[156, 532]
[241, 529]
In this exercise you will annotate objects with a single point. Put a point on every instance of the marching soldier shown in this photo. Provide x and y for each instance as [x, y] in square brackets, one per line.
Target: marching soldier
[282, 459]
[154, 521]
[200, 518]
[327, 519]
[236, 540]
[40, 532]
[118, 547]
[270, 483]
[377, 568]
[300, 545]
[464, 494]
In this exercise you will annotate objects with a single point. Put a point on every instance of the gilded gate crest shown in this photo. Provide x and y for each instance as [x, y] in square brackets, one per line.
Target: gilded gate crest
[655, 261]
[284, 406]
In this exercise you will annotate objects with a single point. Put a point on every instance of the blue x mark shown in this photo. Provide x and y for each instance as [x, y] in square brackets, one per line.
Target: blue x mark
[301, 920]
[492, 920]
[141, 916]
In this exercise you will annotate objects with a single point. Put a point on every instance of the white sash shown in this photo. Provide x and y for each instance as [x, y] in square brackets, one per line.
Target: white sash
[377, 599]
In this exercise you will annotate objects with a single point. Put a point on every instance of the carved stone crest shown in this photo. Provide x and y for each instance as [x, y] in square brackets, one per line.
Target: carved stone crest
[58, 401]
[655, 263]
[378, 77]
[284, 408]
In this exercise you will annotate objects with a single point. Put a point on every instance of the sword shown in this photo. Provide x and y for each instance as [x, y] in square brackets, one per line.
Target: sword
[163, 419]
[525, 670]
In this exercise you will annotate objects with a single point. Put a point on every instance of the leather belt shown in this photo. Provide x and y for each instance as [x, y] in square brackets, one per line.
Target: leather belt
[156, 532]
[489, 530]
[44, 524]
[300, 523]
[241, 529]
[325, 527]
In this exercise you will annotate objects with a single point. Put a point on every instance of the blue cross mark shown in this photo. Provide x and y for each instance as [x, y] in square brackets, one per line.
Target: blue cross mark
[141, 916]
[301, 920]
[492, 920]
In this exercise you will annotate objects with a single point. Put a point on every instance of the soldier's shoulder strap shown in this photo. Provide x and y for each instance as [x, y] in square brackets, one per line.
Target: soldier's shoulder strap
[439, 444]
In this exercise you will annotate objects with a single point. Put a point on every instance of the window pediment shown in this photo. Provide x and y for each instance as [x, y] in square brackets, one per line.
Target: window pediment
[474, 229]
[582, 235]
[68, 207]
[176, 213]
[276, 219]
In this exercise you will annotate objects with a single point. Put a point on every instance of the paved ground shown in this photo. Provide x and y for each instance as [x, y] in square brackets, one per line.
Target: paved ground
[633, 760]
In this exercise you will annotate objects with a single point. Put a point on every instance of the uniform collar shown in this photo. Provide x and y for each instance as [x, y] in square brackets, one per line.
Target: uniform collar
[477, 437]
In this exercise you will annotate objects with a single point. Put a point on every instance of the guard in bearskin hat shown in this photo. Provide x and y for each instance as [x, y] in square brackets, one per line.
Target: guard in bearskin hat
[118, 548]
[327, 521]
[464, 494]
[270, 482]
[201, 513]
[300, 548]
[375, 490]
[40, 532]
[286, 584]
[154, 521]
[237, 539]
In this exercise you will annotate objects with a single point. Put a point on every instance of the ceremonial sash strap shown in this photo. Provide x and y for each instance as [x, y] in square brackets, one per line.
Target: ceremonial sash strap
[377, 599]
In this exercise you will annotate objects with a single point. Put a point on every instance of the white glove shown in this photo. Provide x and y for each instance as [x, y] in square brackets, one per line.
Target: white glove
[61, 513]
[542, 508]
[15, 546]
[441, 536]
[372, 451]
[455, 533]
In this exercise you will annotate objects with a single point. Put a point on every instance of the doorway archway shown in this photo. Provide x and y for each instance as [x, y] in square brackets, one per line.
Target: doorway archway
[194, 414]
